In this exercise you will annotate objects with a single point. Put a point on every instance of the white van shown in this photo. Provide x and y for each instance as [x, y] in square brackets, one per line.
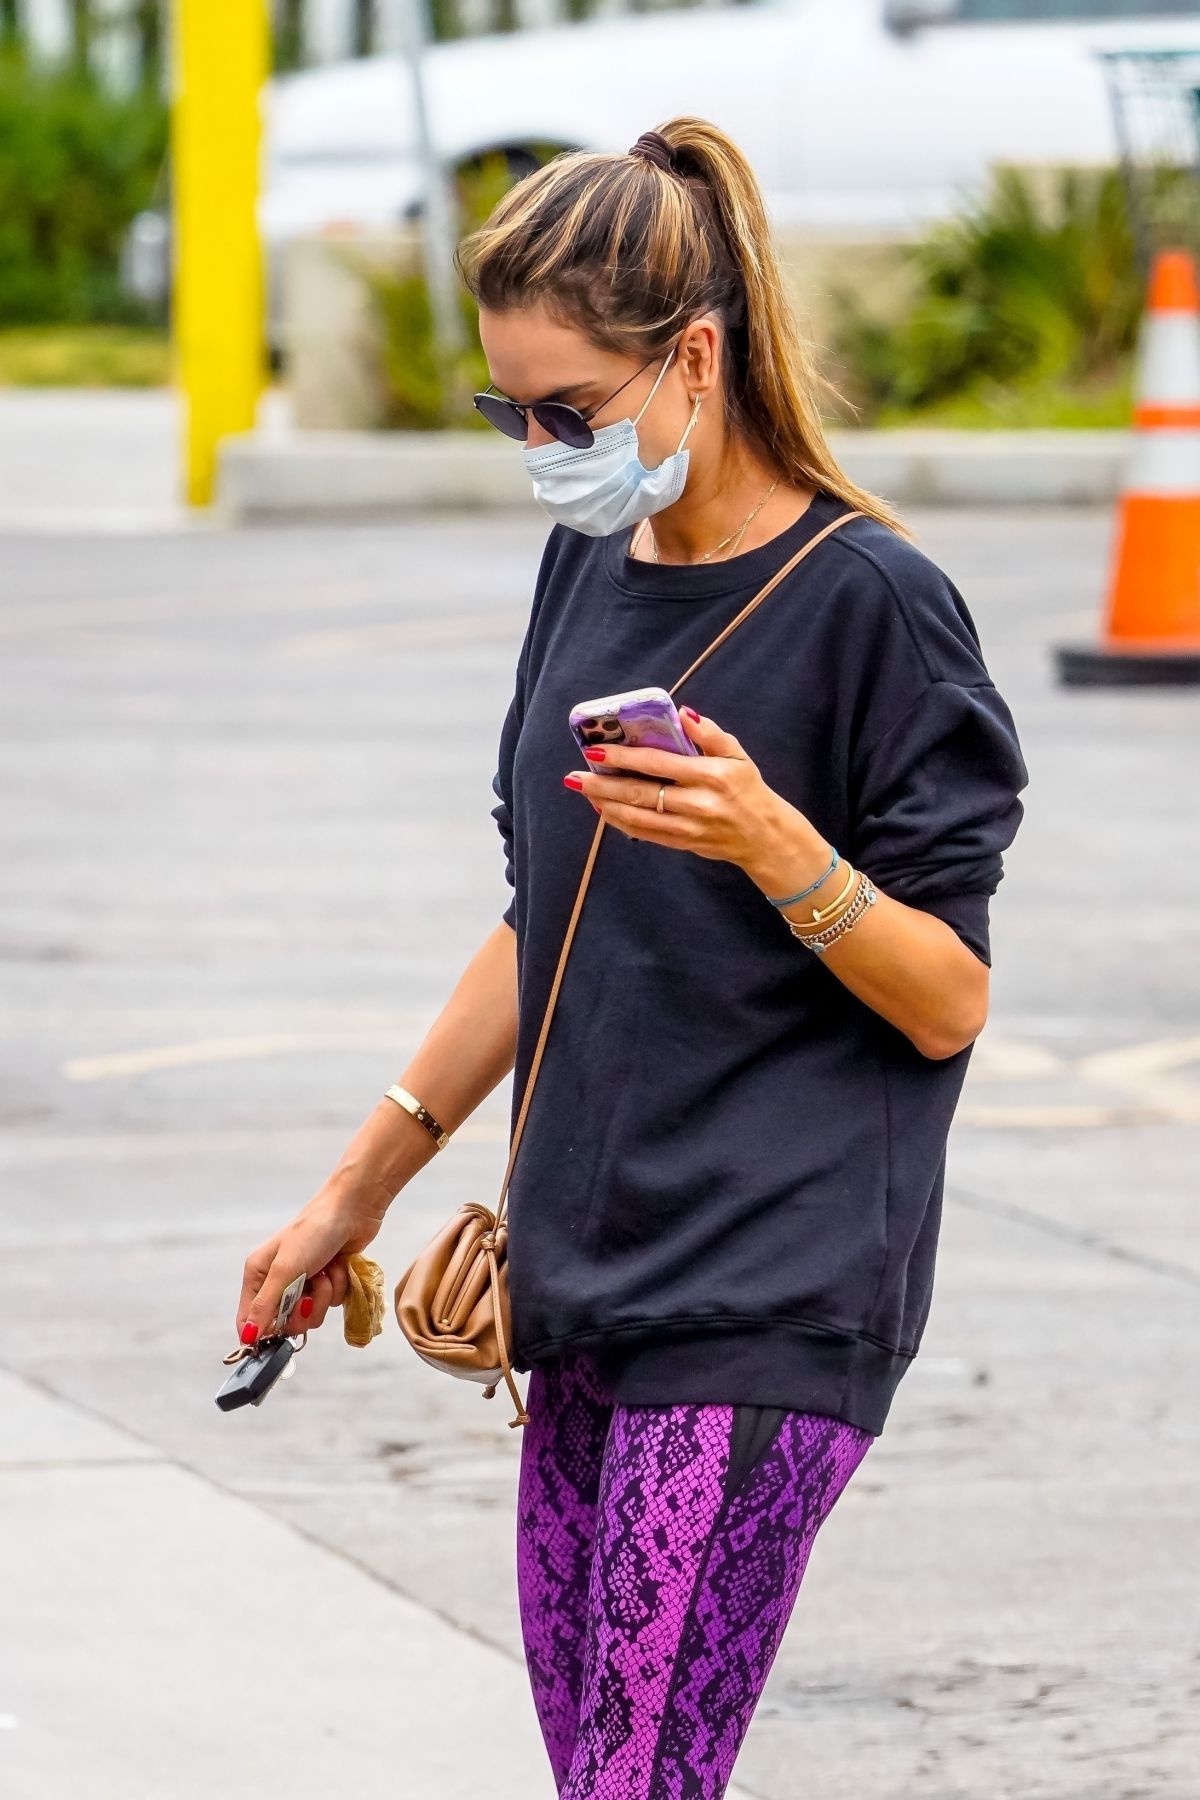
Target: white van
[863, 118]
[858, 115]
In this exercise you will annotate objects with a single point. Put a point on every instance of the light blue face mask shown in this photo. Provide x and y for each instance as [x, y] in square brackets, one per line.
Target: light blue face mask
[606, 487]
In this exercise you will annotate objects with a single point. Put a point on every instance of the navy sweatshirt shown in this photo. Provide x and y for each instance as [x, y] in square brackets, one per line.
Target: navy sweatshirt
[730, 1183]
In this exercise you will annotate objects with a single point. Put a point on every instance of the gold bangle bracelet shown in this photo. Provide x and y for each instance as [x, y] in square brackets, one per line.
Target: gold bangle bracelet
[823, 915]
[829, 915]
[421, 1114]
[865, 896]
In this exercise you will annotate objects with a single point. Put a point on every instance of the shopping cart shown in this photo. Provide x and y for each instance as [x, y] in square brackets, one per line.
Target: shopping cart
[1155, 96]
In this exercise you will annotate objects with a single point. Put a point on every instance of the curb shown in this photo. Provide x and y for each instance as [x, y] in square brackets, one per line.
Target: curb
[987, 468]
[345, 474]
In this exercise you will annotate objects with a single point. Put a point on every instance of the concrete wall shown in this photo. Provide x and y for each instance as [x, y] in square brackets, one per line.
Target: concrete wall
[331, 339]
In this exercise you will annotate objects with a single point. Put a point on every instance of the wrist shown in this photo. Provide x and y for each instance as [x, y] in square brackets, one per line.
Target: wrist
[791, 854]
[354, 1188]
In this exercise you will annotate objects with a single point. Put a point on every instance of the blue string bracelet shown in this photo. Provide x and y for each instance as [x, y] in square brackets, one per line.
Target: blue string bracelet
[811, 888]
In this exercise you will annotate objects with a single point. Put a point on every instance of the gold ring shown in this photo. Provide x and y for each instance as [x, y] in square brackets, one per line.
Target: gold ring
[661, 805]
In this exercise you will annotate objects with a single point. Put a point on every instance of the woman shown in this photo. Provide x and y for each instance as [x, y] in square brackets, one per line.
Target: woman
[725, 1207]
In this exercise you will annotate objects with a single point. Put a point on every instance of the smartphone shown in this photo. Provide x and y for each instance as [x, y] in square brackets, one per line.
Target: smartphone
[642, 716]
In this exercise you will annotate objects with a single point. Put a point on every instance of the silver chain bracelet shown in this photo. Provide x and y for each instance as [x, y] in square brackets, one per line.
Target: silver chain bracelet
[864, 896]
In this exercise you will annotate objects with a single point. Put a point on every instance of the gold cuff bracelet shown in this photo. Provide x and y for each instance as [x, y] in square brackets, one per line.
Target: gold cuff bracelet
[403, 1098]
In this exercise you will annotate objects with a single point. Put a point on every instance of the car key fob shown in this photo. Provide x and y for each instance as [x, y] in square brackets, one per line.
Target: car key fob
[255, 1374]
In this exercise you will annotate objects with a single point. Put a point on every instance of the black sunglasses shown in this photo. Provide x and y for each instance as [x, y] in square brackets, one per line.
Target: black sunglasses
[566, 423]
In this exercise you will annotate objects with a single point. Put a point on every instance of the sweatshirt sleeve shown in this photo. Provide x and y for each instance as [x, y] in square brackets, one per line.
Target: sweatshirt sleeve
[935, 804]
[502, 788]
[510, 731]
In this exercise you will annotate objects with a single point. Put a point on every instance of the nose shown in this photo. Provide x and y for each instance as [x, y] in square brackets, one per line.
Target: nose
[536, 435]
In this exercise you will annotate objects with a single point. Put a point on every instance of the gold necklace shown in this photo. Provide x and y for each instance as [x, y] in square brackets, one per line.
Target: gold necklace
[738, 533]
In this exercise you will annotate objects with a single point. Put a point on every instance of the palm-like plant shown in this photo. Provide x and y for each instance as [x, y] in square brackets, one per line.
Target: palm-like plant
[1037, 288]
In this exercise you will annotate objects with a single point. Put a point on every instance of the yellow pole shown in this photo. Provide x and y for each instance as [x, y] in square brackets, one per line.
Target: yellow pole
[220, 63]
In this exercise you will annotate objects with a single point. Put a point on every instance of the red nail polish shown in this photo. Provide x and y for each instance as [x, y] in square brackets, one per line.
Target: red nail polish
[573, 780]
[692, 713]
[306, 1306]
[249, 1331]
[595, 755]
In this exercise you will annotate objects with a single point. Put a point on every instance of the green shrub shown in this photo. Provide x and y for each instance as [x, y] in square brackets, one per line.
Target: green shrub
[415, 396]
[1030, 301]
[76, 163]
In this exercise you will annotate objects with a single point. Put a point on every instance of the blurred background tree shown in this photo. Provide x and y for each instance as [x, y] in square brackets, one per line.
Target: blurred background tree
[150, 28]
[123, 40]
[82, 35]
[76, 163]
[10, 26]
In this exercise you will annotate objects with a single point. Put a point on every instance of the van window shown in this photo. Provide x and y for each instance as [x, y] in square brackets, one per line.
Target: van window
[1046, 10]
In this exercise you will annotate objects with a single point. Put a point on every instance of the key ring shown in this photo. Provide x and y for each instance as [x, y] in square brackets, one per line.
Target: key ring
[240, 1350]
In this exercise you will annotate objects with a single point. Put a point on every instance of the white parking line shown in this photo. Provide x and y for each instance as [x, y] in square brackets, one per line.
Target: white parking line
[253, 1047]
[1139, 1077]
[1052, 1118]
[1141, 1074]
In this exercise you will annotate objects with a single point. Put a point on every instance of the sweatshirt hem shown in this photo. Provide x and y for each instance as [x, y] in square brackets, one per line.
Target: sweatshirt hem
[802, 1366]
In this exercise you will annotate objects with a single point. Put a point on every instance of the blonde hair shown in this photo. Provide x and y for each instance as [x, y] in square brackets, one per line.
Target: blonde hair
[631, 248]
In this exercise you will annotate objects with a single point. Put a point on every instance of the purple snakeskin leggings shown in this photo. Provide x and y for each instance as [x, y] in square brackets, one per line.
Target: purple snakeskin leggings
[660, 1550]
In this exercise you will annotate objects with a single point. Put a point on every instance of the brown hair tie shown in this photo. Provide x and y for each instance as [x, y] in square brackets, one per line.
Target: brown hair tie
[653, 147]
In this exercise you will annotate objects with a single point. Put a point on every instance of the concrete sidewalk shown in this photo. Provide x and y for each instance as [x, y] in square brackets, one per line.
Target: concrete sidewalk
[168, 1639]
[104, 460]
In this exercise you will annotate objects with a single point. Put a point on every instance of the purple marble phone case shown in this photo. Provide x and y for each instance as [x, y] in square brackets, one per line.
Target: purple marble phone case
[642, 716]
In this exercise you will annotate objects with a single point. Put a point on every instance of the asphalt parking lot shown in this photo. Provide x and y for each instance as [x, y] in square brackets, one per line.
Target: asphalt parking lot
[246, 844]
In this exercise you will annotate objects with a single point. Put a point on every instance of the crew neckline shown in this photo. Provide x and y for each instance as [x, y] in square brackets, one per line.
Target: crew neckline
[701, 581]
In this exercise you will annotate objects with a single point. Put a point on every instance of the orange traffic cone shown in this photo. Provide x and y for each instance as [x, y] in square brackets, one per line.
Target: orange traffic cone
[1152, 623]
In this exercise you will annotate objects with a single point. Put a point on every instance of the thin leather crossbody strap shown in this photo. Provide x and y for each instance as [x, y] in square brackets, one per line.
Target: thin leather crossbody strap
[556, 984]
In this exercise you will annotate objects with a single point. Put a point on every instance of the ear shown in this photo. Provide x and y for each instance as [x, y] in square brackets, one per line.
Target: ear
[699, 355]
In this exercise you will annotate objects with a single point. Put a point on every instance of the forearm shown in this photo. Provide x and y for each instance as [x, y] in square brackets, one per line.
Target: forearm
[467, 1051]
[908, 966]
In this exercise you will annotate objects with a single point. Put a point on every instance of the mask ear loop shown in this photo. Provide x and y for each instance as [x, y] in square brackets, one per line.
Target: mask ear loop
[649, 397]
[688, 431]
[654, 389]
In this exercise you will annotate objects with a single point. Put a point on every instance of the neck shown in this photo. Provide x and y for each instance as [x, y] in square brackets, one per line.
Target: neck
[716, 501]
